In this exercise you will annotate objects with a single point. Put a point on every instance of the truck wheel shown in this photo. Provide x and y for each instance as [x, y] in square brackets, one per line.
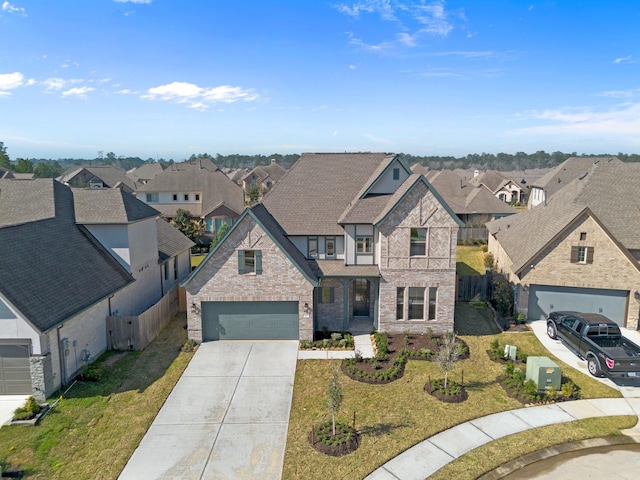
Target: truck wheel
[593, 366]
[551, 331]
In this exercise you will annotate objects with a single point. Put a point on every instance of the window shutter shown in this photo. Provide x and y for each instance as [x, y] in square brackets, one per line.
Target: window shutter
[258, 256]
[331, 295]
[241, 261]
[574, 254]
[589, 254]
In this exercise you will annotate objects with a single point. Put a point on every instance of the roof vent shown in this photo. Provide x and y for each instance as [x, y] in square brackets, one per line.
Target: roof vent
[582, 176]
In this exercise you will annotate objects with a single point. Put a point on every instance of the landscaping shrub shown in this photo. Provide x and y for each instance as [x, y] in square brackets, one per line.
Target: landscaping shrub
[28, 411]
[92, 373]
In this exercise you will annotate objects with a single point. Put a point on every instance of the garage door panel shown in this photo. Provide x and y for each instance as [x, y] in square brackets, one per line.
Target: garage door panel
[15, 370]
[544, 299]
[250, 321]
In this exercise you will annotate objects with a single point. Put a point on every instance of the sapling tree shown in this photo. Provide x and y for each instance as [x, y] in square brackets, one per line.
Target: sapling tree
[447, 355]
[334, 396]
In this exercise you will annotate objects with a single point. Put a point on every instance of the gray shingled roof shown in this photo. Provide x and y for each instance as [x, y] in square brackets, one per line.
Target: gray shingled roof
[333, 268]
[463, 197]
[317, 190]
[492, 179]
[100, 205]
[145, 172]
[112, 177]
[171, 241]
[69, 270]
[608, 191]
[23, 201]
[216, 189]
[567, 171]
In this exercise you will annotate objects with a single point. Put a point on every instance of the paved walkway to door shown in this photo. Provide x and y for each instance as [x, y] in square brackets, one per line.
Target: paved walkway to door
[227, 417]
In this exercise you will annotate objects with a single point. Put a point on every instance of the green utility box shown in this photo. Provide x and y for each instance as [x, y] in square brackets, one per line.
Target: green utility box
[544, 372]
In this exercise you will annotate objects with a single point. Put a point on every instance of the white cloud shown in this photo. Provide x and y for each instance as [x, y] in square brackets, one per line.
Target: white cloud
[197, 97]
[413, 19]
[78, 92]
[622, 59]
[7, 7]
[9, 81]
[619, 120]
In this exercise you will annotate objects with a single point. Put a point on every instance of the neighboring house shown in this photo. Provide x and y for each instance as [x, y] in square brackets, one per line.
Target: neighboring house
[100, 176]
[144, 173]
[263, 177]
[562, 175]
[6, 174]
[342, 239]
[504, 188]
[200, 188]
[474, 205]
[578, 251]
[69, 258]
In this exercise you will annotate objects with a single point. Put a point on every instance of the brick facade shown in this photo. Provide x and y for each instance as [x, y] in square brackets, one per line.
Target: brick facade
[611, 268]
[436, 269]
[219, 280]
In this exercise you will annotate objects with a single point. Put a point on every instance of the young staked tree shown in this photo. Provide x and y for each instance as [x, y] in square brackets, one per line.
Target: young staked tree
[447, 355]
[334, 396]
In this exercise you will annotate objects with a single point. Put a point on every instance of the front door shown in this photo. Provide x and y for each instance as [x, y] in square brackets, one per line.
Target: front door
[361, 298]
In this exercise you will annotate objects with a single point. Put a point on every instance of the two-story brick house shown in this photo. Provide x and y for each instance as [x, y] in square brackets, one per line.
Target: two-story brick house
[342, 238]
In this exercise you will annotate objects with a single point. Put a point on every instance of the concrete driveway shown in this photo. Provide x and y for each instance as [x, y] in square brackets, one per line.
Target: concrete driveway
[8, 404]
[226, 418]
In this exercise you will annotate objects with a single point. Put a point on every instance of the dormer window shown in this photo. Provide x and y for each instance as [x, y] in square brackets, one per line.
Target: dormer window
[364, 244]
[396, 174]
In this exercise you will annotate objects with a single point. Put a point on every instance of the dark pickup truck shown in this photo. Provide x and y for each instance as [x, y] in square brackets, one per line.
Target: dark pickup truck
[597, 339]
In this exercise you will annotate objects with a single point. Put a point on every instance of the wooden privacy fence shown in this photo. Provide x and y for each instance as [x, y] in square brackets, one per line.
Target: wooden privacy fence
[467, 233]
[474, 287]
[137, 331]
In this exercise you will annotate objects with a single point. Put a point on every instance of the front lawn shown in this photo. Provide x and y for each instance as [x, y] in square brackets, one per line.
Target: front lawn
[395, 416]
[95, 428]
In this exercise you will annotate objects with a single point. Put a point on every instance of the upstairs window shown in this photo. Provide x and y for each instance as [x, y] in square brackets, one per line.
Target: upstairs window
[583, 236]
[250, 261]
[396, 174]
[418, 242]
[152, 198]
[364, 244]
[197, 197]
[175, 197]
[313, 247]
[582, 255]
[330, 247]
[186, 197]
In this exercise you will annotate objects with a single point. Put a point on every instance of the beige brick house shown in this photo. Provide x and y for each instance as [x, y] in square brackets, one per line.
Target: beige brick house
[580, 250]
[342, 238]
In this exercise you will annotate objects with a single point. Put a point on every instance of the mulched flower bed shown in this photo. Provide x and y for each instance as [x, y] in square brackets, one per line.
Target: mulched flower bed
[454, 393]
[345, 441]
[518, 393]
[401, 347]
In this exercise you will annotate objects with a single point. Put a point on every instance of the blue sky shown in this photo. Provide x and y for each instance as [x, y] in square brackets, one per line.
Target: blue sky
[170, 78]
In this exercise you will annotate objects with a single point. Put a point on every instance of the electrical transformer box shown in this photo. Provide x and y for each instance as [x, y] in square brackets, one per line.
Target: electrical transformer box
[544, 372]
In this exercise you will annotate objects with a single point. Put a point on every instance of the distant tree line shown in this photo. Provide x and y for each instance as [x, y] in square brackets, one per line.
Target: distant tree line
[49, 168]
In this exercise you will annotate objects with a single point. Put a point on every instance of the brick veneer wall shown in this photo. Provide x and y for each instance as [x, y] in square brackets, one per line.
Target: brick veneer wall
[436, 269]
[611, 269]
[219, 280]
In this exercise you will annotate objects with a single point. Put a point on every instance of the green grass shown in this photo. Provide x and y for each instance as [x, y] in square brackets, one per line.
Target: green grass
[396, 416]
[469, 260]
[95, 428]
[196, 260]
[474, 318]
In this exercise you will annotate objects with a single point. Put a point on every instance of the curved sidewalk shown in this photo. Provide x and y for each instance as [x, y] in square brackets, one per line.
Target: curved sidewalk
[429, 456]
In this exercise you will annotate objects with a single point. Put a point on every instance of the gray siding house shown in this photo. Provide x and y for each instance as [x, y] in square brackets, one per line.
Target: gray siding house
[69, 258]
